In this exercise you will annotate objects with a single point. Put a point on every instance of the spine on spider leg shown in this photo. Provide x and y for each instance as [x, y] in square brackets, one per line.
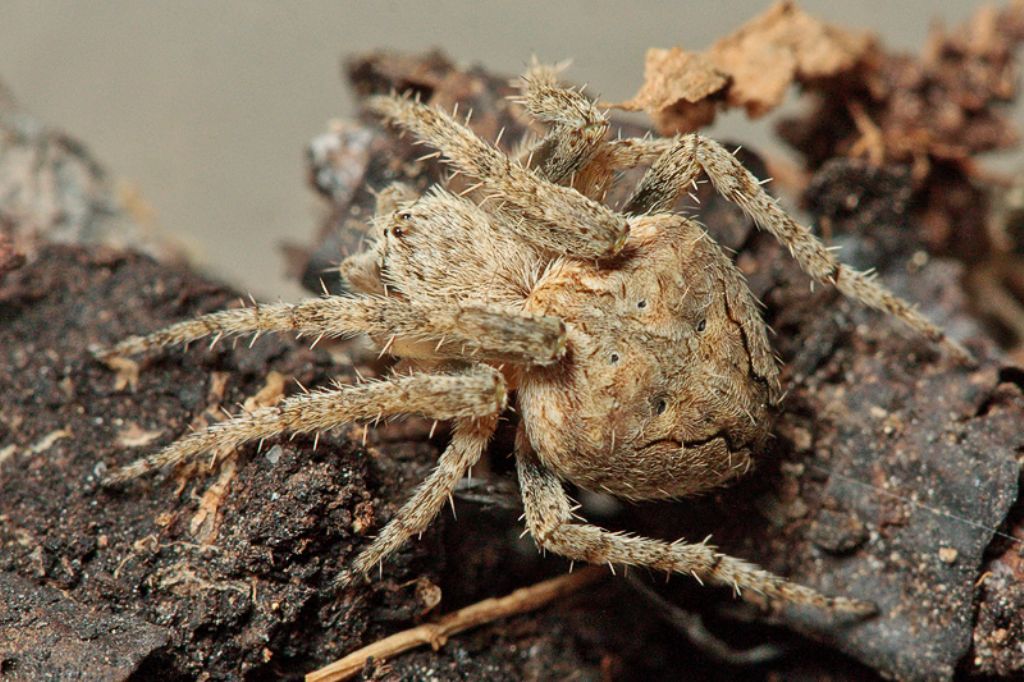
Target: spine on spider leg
[478, 392]
[578, 127]
[556, 218]
[469, 440]
[669, 175]
[736, 183]
[331, 316]
[699, 560]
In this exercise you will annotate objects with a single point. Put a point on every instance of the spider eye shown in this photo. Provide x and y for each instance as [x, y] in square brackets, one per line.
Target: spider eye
[642, 303]
[614, 358]
[661, 406]
[404, 216]
[702, 325]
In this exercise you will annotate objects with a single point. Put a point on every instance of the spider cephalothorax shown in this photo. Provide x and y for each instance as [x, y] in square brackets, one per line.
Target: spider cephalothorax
[640, 363]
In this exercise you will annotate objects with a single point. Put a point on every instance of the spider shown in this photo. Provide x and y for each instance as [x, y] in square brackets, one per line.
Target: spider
[631, 345]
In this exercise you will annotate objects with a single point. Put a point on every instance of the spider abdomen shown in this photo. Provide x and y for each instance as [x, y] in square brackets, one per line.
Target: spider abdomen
[662, 391]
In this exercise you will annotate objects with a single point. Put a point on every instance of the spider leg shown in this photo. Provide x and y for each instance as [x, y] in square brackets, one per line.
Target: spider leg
[577, 128]
[469, 438]
[550, 521]
[555, 218]
[478, 392]
[668, 176]
[629, 152]
[480, 331]
[576, 150]
[676, 168]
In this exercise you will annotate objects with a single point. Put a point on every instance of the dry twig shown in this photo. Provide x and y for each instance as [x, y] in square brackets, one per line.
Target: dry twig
[436, 634]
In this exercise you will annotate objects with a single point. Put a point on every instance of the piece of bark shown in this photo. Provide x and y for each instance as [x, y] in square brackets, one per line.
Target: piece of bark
[44, 635]
[257, 601]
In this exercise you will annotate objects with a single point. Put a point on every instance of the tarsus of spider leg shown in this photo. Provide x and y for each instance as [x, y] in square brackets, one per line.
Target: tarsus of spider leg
[337, 315]
[702, 562]
[478, 392]
[559, 218]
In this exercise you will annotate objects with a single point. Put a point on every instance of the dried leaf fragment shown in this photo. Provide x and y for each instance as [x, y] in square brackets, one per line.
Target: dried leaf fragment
[678, 90]
[206, 521]
[782, 46]
[271, 394]
[134, 436]
[126, 372]
[752, 68]
[47, 441]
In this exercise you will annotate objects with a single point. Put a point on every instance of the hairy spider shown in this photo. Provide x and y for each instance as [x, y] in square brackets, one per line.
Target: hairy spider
[640, 364]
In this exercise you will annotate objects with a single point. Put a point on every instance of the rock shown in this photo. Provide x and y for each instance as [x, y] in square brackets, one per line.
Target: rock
[46, 635]
[52, 188]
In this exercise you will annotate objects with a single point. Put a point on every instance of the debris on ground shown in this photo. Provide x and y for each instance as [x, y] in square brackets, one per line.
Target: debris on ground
[893, 475]
[753, 69]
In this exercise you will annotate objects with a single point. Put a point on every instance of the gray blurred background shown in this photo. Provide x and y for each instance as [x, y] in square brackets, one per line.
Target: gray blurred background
[205, 107]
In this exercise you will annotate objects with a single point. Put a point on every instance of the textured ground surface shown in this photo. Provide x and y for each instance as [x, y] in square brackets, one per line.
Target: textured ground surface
[891, 472]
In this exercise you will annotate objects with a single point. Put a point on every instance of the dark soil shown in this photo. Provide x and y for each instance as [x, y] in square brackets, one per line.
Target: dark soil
[893, 477]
